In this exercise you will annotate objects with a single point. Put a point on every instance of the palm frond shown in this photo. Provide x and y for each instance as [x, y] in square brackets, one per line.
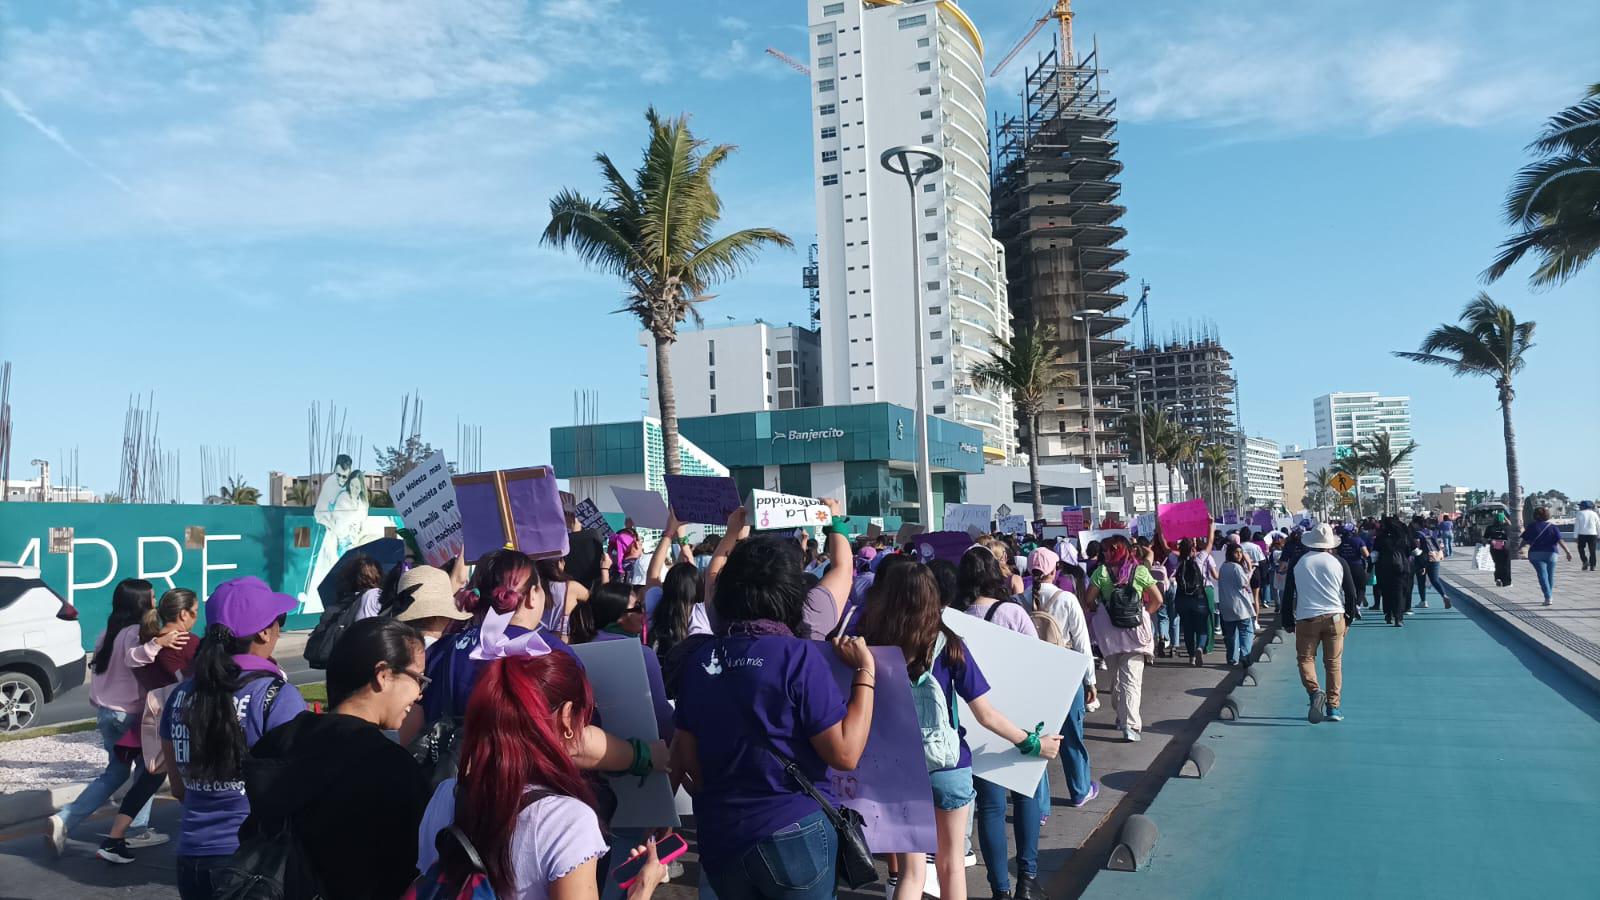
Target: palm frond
[1575, 129]
[726, 256]
[588, 228]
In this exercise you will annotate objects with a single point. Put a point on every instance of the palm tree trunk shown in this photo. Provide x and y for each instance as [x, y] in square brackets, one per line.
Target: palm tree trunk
[1513, 472]
[1033, 465]
[669, 404]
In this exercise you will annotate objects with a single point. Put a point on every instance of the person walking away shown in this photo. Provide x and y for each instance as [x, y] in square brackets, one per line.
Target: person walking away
[1426, 561]
[238, 693]
[1063, 608]
[1540, 541]
[364, 585]
[165, 631]
[1189, 602]
[1447, 535]
[1393, 550]
[352, 797]
[1353, 550]
[941, 668]
[753, 706]
[1498, 536]
[526, 811]
[114, 693]
[1120, 598]
[1319, 603]
[1588, 532]
[1236, 607]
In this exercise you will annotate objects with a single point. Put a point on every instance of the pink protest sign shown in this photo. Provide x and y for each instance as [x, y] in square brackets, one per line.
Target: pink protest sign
[1072, 519]
[1189, 519]
[889, 787]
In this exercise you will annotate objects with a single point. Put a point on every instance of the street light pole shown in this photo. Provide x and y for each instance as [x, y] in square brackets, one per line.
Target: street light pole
[914, 163]
[1144, 454]
[1086, 315]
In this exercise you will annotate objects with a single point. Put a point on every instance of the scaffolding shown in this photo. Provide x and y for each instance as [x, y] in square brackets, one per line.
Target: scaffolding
[1054, 199]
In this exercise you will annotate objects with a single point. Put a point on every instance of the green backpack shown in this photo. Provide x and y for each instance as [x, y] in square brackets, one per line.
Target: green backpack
[938, 718]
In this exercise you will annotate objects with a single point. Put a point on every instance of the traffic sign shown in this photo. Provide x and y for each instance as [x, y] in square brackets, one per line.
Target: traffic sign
[1342, 482]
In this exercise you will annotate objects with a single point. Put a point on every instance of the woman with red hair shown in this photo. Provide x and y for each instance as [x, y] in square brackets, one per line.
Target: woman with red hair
[520, 802]
[1121, 596]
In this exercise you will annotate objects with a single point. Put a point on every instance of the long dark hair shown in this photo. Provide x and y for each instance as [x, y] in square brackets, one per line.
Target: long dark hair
[173, 604]
[132, 598]
[216, 739]
[761, 580]
[907, 613]
[679, 592]
[608, 603]
[367, 644]
[980, 576]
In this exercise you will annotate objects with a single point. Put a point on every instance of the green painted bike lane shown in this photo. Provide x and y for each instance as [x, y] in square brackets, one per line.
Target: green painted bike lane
[1466, 766]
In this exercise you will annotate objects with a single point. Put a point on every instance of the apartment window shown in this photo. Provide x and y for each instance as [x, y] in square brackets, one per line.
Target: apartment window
[935, 310]
[913, 22]
[933, 260]
[930, 212]
[826, 38]
[938, 410]
[825, 62]
[924, 91]
[827, 109]
[713, 404]
[825, 84]
[924, 66]
[713, 381]
[936, 361]
[1061, 426]
[833, 9]
[927, 139]
[927, 114]
[938, 385]
[936, 335]
[785, 357]
[930, 236]
[711, 348]
[830, 179]
[928, 188]
[830, 156]
[922, 42]
[830, 132]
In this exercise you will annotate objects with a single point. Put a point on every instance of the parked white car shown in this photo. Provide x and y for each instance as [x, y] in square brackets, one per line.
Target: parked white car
[41, 646]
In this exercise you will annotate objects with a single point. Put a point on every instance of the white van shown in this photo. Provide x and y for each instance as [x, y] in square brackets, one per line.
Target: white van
[41, 646]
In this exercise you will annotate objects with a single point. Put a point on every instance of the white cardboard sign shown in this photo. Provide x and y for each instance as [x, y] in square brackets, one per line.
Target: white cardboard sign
[1017, 525]
[1029, 682]
[425, 498]
[1099, 534]
[966, 516]
[769, 509]
[615, 670]
[647, 509]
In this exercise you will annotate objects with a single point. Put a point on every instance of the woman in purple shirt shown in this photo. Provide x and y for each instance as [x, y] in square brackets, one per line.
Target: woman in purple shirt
[1541, 539]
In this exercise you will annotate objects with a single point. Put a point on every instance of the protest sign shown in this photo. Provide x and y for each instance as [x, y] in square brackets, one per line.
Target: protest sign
[964, 517]
[1017, 525]
[645, 508]
[769, 509]
[702, 499]
[1229, 529]
[909, 530]
[569, 503]
[889, 786]
[873, 530]
[1230, 517]
[519, 507]
[1261, 520]
[615, 670]
[1072, 519]
[1026, 682]
[589, 516]
[1144, 525]
[1189, 519]
[941, 545]
[1098, 534]
[425, 500]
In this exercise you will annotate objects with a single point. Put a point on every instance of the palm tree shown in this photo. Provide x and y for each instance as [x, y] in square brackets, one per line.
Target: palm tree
[1380, 453]
[237, 493]
[1158, 429]
[301, 493]
[1215, 458]
[1489, 342]
[1026, 367]
[1320, 490]
[655, 233]
[1555, 201]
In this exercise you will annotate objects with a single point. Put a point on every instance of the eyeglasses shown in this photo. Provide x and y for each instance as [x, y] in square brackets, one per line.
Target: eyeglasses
[422, 680]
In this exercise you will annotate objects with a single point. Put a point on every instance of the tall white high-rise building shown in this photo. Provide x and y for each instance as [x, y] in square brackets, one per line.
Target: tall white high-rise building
[884, 75]
[1347, 419]
[1262, 471]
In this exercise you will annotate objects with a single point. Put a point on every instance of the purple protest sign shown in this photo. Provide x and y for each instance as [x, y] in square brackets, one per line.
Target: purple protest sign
[1230, 517]
[483, 528]
[942, 545]
[701, 499]
[1261, 520]
[533, 501]
[889, 786]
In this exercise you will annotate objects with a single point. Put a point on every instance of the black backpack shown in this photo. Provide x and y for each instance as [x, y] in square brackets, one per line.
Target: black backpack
[1124, 607]
[332, 626]
[1191, 582]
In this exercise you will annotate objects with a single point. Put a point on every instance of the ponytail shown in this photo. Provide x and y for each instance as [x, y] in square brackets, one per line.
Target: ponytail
[172, 604]
[216, 739]
[149, 625]
[1038, 582]
[606, 605]
[502, 581]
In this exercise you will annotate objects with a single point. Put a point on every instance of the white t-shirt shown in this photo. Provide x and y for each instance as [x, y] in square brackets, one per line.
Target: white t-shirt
[1252, 553]
[635, 571]
[554, 835]
[369, 603]
[1318, 585]
[1588, 522]
[1063, 606]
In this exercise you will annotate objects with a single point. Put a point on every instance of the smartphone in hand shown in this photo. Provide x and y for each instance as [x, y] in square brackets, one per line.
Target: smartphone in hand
[668, 849]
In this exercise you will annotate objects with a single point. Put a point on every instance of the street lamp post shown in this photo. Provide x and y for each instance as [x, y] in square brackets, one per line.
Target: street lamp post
[915, 163]
[1085, 316]
[1139, 376]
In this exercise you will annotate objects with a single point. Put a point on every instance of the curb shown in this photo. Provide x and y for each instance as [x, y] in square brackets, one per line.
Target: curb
[1524, 635]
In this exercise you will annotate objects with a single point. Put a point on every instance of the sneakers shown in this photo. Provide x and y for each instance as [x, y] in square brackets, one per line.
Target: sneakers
[1131, 736]
[149, 837]
[1094, 791]
[1318, 710]
[1547, 603]
[115, 850]
[1028, 889]
[1334, 715]
[1422, 605]
[970, 860]
[55, 836]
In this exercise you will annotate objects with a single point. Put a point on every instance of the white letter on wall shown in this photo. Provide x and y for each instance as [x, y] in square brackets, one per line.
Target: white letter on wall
[72, 564]
[206, 568]
[177, 550]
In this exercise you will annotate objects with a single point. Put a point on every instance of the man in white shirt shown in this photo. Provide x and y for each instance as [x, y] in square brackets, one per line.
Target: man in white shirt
[1588, 532]
[1319, 602]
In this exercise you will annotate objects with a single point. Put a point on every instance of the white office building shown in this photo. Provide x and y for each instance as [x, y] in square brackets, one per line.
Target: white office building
[1262, 471]
[1347, 419]
[887, 74]
[736, 369]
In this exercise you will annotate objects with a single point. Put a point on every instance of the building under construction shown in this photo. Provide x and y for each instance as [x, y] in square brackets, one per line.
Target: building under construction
[1191, 377]
[1055, 210]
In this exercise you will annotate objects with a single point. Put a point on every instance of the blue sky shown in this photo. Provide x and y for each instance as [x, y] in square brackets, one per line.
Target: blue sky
[247, 207]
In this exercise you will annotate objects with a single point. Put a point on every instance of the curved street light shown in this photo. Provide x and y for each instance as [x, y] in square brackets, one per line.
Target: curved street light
[1087, 315]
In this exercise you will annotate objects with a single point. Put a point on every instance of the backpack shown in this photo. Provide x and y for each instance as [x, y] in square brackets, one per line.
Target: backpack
[937, 716]
[1123, 607]
[435, 885]
[270, 864]
[1050, 631]
[332, 626]
[1191, 582]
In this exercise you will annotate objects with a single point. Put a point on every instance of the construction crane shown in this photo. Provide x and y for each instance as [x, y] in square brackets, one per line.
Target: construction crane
[1142, 309]
[1061, 11]
[790, 61]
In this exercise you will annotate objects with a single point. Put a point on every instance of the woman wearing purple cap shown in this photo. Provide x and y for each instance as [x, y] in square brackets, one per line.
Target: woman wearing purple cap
[212, 720]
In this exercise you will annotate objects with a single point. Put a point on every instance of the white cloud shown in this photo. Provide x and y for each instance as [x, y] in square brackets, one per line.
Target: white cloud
[209, 37]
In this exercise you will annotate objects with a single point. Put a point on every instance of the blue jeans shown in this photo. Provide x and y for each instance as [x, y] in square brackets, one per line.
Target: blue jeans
[1428, 574]
[111, 724]
[1239, 639]
[194, 875]
[1169, 615]
[991, 820]
[1544, 569]
[1269, 591]
[1449, 543]
[797, 863]
[1074, 753]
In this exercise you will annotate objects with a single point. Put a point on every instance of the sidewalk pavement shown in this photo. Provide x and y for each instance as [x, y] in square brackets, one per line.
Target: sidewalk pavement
[1568, 629]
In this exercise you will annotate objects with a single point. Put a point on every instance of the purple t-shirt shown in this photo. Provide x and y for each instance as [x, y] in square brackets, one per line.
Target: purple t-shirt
[1541, 537]
[658, 688]
[738, 696]
[450, 667]
[214, 810]
[1008, 615]
[969, 685]
[821, 612]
